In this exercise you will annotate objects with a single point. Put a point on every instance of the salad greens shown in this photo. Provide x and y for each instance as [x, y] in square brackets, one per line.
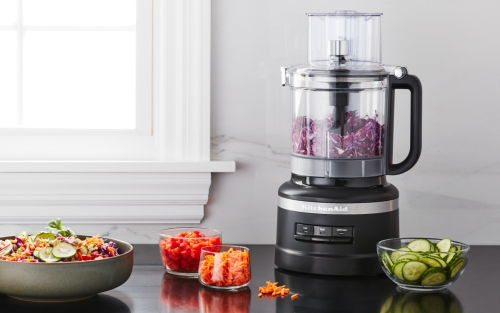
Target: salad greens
[58, 243]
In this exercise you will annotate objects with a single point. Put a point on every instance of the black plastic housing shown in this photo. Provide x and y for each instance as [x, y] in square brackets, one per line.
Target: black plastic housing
[327, 258]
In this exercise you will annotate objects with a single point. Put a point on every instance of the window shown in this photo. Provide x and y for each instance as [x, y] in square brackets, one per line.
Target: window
[74, 71]
[87, 154]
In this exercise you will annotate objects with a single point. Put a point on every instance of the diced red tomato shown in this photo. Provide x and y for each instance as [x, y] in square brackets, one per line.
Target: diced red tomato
[183, 254]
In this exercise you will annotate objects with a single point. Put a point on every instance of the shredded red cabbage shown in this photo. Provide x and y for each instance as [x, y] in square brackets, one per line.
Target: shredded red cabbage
[363, 137]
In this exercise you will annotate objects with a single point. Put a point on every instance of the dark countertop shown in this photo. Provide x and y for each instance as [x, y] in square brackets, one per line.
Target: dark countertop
[150, 290]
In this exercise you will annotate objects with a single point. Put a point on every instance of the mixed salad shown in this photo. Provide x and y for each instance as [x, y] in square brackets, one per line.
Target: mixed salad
[56, 244]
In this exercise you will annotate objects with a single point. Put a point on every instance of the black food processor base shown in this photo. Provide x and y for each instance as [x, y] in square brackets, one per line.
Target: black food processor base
[332, 226]
[336, 254]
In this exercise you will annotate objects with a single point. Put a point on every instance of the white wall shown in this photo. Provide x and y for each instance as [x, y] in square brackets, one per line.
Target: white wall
[452, 46]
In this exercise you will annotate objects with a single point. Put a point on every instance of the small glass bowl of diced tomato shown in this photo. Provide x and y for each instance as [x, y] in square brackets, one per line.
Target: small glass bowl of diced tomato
[180, 248]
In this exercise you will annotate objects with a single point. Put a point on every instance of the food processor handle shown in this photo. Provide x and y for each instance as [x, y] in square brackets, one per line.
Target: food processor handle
[411, 83]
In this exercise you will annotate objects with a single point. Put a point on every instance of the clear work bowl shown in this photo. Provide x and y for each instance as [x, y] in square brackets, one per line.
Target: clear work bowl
[421, 271]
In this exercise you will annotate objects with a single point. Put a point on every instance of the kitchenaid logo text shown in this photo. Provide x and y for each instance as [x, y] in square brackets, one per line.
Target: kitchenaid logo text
[306, 207]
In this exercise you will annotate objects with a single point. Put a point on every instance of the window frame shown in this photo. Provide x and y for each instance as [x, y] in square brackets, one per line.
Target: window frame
[170, 188]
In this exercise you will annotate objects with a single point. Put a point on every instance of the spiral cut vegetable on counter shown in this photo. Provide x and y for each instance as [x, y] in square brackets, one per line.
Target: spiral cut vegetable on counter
[231, 268]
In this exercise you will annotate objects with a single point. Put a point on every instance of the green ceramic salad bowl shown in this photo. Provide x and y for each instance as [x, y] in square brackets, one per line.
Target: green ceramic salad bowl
[68, 281]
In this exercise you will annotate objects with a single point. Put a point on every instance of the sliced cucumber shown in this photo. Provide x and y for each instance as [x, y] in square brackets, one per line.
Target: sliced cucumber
[420, 245]
[432, 262]
[85, 251]
[397, 269]
[6, 249]
[36, 254]
[396, 254]
[45, 236]
[441, 261]
[385, 261]
[408, 256]
[413, 270]
[22, 235]
[63, 250]
[459, 248]
[46, 255]
[444, 245]
[451, 256]
[434, 276]
[455, 267]
[433, 247]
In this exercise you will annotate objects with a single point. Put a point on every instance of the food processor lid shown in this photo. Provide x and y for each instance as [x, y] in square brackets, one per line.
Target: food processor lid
[345, 41]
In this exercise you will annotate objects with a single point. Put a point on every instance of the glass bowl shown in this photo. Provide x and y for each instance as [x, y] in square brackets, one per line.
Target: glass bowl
[180, 248]
[421, 271]
[225, 267]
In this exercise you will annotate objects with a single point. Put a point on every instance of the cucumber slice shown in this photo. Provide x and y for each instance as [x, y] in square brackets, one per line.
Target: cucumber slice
[451, 257]
[433, 303]
[22, 235]
[455, 267]
[413, 270]
[46, 255]
[396, 254]
[434, 276]
[397, 269]
[432, 262]
[387, 265]
[63, 250]
[85, 251]
[36, 254]
[409, 257]
[441, 261]
[420, 245]
[459, 247]
[7, 249]
[433, 247]
[45, 236]
[444, 245]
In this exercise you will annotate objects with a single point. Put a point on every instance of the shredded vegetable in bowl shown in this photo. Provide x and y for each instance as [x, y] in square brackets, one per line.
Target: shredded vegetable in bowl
[363, 137]
[56, 244]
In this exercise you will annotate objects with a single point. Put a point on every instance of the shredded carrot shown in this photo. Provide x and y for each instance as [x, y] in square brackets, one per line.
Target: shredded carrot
[231, 268]
[295, 296]
[111, 251]
[273, 291]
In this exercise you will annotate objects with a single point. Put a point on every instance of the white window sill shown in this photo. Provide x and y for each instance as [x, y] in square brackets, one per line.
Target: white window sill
[106, 192]
[116, 166]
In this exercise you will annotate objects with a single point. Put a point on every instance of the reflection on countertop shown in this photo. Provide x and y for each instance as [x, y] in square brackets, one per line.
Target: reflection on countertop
[100, 303]
[179, 294]
[319, 293]
[413, 302]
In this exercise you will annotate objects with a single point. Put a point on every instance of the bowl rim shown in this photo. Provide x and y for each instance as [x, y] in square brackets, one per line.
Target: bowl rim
[465, 247]
[232, 246]
[75, 263]
[219, 233]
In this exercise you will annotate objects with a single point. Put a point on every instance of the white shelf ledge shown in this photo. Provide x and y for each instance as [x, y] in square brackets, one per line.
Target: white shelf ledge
[116, 167]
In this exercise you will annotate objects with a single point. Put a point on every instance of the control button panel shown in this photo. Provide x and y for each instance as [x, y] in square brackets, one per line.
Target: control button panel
[303, 229]
[326, 234]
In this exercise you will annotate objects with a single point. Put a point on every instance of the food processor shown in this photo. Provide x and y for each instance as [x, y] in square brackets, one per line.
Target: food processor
[338, 203]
